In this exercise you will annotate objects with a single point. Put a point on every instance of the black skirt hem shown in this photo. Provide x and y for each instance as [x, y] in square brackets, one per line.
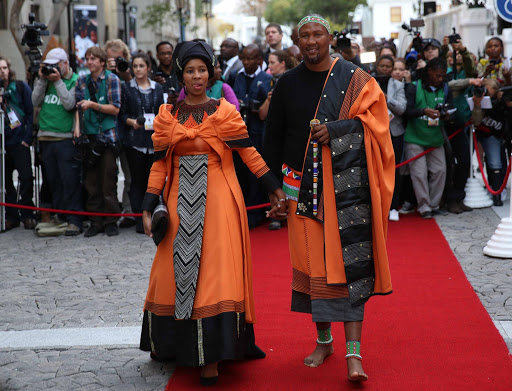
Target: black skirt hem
[199, 342]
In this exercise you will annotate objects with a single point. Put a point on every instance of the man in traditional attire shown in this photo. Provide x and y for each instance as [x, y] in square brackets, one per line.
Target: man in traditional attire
[339, 180]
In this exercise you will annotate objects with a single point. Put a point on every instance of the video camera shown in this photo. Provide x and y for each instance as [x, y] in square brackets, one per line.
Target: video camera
[414, 30]
[32, 38]
[342, 42]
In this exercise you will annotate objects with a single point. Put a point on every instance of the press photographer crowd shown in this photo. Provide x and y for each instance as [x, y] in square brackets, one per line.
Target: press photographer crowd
[80, 132]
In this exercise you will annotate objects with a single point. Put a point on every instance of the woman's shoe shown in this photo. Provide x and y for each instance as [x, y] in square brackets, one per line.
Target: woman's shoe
[209, 381]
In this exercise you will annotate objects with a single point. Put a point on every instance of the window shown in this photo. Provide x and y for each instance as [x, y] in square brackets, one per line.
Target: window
[438, 8]
[3, 15]
[394, 35]
[396, 14]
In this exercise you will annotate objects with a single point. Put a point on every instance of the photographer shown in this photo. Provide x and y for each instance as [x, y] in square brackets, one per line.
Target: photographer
[141, 99]
[118, 59]
[494, 65]
[17, 106]
[460, 75]
[99, 95]
[427, 103]
[54, 92]
[118, 62]
[251, 87]
[165, 74]
[431, 48]
[493, 130]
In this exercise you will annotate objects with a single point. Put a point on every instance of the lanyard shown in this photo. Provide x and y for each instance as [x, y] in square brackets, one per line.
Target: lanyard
[142, 101]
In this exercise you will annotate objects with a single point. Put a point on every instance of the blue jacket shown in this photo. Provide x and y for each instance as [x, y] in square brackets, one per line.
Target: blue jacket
[23, 132]
[255, 96]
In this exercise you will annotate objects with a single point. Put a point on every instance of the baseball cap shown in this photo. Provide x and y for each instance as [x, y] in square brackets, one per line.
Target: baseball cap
[55, 55]
[431, 41]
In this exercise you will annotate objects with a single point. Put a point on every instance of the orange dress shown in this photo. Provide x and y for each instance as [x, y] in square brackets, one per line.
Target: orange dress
[220, 323]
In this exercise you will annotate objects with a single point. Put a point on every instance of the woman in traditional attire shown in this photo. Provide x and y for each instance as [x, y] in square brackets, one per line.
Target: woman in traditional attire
[199, 308]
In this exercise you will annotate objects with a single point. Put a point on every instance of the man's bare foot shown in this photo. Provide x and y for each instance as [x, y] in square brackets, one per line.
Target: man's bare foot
[318, 356]
[355, 370]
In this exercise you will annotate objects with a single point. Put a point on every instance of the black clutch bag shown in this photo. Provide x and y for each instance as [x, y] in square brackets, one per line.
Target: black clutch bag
[159, 221]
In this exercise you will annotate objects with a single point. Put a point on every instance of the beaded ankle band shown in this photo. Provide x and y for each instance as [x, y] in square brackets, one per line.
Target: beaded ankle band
[324, 337]
[353, 350]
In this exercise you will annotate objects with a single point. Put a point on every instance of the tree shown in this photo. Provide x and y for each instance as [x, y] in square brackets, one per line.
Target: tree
[290, 12]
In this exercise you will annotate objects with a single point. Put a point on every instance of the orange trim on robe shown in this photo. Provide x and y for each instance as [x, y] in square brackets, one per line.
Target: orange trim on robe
[224, 125]
[368, 104]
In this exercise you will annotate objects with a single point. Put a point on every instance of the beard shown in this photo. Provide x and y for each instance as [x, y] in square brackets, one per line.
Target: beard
[312, 60]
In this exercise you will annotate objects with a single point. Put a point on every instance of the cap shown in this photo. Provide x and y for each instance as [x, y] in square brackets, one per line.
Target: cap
[55, 55]
[431, 41]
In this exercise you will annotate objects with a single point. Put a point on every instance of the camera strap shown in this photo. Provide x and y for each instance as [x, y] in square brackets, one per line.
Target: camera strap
[92, 92]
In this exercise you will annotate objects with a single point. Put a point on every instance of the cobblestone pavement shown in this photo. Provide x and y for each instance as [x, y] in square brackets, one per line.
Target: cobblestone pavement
[74, 282]
[491, 278]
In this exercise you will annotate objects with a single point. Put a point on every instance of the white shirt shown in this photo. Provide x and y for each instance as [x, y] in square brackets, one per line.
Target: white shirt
[229, 64]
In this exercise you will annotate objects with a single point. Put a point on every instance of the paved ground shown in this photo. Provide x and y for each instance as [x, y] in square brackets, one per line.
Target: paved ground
[97, 286]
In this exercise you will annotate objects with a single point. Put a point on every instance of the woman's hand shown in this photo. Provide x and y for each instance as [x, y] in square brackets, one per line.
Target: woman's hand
[135, 125]
[146, 220]
[279, 205]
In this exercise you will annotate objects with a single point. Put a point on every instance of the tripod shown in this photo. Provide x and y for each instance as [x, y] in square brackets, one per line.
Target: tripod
[2, 171]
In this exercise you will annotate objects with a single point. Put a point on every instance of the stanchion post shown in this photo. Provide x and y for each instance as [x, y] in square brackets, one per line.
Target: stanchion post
[471, 131]
[2, 171]
[476, 196]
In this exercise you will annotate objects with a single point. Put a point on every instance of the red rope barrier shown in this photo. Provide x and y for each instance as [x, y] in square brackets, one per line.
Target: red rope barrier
[503, 185]
[71, 212]
[431, 149]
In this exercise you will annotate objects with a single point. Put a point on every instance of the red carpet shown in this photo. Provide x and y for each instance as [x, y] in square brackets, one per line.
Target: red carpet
[432, 333]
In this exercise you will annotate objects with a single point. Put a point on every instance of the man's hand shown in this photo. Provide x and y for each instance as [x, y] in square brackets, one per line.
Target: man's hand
[54, 76]
[321, 134]
[476, 82]
[25, 144]
[269, 95]
[159, 79]
[458, 46]
[86, 104]
[431, 113]
[477, 100]
[111, 64]
[421, 64]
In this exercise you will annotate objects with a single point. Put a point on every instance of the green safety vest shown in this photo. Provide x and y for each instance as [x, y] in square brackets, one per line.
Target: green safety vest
[417, 131]
[92, 118]
[53, 116]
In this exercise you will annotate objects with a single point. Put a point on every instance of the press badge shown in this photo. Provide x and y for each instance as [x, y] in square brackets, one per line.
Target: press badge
[14, 121]
[150, 117]
[433, 121]
[390, 115]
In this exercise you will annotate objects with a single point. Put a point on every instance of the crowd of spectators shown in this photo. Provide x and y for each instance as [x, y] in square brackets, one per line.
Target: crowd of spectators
[89, 126]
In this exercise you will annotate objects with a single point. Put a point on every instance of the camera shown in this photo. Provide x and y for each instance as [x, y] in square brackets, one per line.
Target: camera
[95, 150]
[249, 107]
[443, 109]
[507, 94]
[121, 64]
[414, 30]
[342, 42]
[141, 120]
[453, 38]
[82, 146]
[479, 91]
[32, 38]
[48, 69]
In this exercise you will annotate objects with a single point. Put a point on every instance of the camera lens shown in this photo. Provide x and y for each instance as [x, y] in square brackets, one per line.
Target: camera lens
[122, 64]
